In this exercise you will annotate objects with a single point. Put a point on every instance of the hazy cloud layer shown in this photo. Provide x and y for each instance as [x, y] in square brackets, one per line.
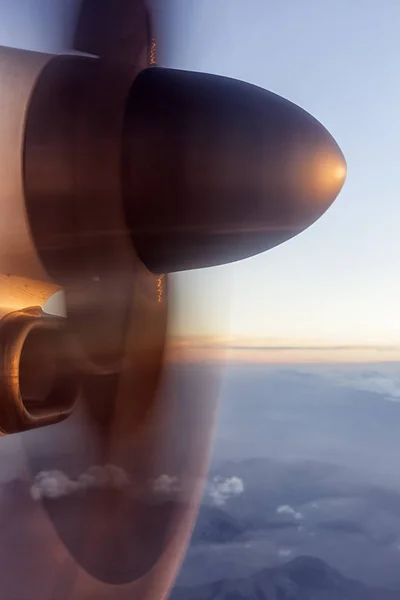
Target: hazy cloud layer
[220, 489]
[166, 485]
[285, 552]
[56, 484]
[388, 386]
[380, 379]
[285, 509]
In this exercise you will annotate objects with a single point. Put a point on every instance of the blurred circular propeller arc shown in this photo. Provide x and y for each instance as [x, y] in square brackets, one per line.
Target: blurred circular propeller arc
[131, 173]
[149, 421]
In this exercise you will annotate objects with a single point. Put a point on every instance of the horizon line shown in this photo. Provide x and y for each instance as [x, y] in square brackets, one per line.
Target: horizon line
[207, 342]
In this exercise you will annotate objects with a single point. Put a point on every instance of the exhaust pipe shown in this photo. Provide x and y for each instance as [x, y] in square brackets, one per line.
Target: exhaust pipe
[38, 386]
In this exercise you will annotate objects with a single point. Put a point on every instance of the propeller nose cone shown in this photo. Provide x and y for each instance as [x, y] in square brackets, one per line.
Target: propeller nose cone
[216, 170]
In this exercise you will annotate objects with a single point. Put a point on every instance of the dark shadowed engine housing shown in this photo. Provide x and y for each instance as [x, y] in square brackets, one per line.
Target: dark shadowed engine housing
[197, 170]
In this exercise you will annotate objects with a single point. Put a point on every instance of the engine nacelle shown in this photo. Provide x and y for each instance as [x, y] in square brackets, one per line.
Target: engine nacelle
[113, 175]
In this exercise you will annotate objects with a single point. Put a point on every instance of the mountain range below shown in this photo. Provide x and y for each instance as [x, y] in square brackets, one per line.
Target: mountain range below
[304, 465]
[301, 502]
[304, 578]
[289, 509]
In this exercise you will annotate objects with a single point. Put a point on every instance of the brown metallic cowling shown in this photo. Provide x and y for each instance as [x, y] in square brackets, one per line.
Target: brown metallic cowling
[38, 383]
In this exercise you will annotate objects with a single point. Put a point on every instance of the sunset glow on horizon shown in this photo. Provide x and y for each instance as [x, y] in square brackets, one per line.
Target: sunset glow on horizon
[209, 349]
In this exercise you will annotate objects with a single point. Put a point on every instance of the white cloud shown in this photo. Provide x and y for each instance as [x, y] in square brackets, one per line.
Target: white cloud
[166, 485]
[378, 384]
[56, 484]
[117, 477]
[285, 552]
[383, 381]
[285, 509]
[52, 484]
[220, 489]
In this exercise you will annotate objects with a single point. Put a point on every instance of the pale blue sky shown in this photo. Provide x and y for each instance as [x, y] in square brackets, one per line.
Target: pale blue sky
[338, 282]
